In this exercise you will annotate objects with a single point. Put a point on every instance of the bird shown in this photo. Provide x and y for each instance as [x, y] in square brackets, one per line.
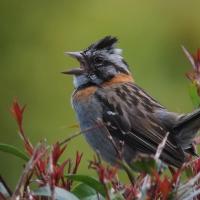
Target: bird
[116, 115]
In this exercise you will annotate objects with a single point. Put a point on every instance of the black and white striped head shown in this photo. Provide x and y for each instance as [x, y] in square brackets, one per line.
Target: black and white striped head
[100, 62]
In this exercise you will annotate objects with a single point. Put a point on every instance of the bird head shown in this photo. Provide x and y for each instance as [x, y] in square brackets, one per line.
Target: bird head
[100, 62]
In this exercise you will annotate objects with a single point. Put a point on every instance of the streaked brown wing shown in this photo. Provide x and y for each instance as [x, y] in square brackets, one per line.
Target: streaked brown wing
[128, 115]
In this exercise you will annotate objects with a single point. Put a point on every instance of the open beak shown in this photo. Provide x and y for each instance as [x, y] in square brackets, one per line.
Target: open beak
[75, 71]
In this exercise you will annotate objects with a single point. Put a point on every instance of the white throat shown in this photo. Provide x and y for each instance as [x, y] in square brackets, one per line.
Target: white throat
[80, 80]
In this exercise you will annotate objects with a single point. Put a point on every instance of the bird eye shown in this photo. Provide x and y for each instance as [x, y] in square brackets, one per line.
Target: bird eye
[98, 60]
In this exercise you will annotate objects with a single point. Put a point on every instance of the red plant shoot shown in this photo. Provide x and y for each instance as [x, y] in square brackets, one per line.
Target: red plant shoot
[17, 111]
[194, 75]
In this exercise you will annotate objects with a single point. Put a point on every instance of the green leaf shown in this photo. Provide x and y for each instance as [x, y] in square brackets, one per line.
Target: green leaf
[85, 192]
[144, 164]
[189, 172]
[60, 194]
[93, 183]
[194, 95]
[14, 151]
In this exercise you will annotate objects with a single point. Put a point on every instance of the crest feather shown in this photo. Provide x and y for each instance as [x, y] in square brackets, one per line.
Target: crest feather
[105, 43]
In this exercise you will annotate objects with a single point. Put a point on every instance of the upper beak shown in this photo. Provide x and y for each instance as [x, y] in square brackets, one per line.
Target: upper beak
[76, 55]
[79, 70]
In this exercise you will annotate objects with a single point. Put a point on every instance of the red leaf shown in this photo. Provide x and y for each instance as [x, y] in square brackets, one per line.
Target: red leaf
[196, 165]
[196, 58]
[17, 111]
[163, 186]
[59, 172]
[42, 165]
[105, 174]
[77, 162]
[131, 192]
[175, 174]
[57, 152]
[194, 74]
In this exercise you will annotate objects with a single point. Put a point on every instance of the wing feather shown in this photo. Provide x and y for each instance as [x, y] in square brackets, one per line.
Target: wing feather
[128, 115]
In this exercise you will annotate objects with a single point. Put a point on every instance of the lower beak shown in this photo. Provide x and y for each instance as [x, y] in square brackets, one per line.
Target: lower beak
[78, 70]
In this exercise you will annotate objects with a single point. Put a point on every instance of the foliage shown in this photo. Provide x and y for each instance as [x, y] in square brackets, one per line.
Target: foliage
[45, 176]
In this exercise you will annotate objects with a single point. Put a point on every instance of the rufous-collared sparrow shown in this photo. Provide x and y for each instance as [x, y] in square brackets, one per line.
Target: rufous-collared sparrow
[108, 103]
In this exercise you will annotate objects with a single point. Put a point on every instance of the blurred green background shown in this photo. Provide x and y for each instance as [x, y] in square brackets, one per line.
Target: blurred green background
[35, 34]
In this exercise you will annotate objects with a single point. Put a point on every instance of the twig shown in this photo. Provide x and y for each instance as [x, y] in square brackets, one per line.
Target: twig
[161, 146]
[51, 176]
[119, 151]
[147, 178]
[145, 186]
[97, 165]
[70, 138]
[2, 197]
[26, 175]
[189, 56]
[110, 138]
[77, 134]
[128, 171]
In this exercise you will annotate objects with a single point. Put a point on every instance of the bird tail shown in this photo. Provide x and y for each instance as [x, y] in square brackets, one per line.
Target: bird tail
[186, 129]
